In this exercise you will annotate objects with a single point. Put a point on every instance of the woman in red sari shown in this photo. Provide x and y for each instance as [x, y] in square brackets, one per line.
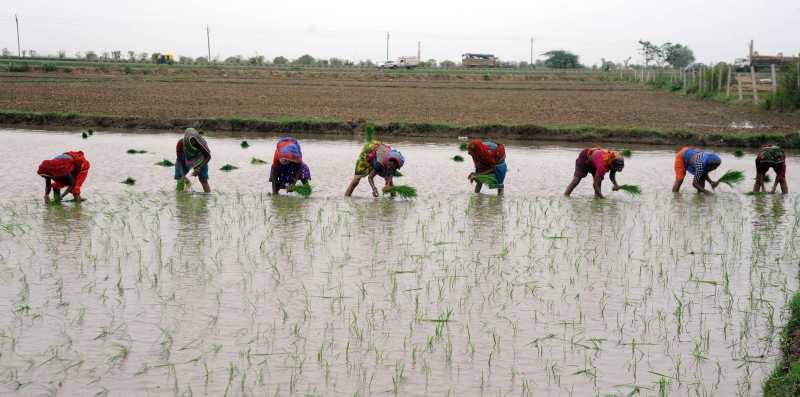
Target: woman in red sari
[68, 170]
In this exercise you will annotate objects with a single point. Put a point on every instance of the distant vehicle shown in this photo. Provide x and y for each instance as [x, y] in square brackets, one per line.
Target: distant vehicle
[741, 65]
[401, 62]
[165, 59]
[479, 60]
[694, 66]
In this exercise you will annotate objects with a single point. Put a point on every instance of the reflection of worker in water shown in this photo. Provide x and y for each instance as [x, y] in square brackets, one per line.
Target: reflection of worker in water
[771, 156]
[193, 154]
[288, 166]
[490, 162]
[596, 161]
[379, 159]
[698, 163]
[68, 170]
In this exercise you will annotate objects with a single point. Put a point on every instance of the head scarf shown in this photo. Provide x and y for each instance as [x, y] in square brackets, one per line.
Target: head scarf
[194, 145]
[289, 149]
[56, 167]
[395, 156]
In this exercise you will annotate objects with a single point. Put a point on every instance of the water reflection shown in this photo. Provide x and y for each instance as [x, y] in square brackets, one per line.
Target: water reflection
[64, 228]
[192, 225]
[486, 218]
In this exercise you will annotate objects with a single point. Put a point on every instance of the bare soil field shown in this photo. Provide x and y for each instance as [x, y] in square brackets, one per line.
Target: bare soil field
[549, 100]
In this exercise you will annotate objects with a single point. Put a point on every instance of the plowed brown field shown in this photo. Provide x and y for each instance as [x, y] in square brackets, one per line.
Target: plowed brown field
[469, 102]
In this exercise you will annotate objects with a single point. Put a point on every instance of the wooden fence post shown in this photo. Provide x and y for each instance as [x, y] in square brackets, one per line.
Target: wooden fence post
[754, 83]
[739, 85]
[774, 80]
[728, 88]
[683, 75]
[719, 81]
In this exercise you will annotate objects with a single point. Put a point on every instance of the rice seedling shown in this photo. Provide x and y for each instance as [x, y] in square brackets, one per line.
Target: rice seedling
[732, 177]
[634, 190]
[486, 179]
[129, 181]
[228, 167]
[627, 153]
[756, 193]
[84, 135]
[257, 161]
[403, 191]
[370, 135]
[738, 153]
[165, 163]
[134, 151]
[462, 146]
[458, 158]
[302, 189]
[244, 145]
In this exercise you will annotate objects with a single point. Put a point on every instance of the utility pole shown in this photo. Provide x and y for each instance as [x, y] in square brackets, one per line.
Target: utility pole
[419, 51]
[208, 41]
[531, 51]
[19, 49]
[387, 46]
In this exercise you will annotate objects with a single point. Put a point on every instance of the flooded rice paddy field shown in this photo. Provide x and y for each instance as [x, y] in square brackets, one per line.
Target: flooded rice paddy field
[144, 291]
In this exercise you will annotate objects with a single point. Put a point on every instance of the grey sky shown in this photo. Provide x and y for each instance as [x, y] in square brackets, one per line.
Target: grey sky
[715, 29]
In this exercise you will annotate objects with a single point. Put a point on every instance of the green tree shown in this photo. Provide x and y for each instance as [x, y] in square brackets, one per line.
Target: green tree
[677, 55]
[651, 53]
[279, 60]
[304, 60]
[560, 59]
[447, 64]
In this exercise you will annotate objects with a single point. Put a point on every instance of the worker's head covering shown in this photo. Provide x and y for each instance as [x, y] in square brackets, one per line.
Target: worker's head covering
[617, 161]
[395, 157]
[289, 150]
[712, 160]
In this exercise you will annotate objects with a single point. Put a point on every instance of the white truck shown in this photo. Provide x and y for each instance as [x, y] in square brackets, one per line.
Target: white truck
[401, 62]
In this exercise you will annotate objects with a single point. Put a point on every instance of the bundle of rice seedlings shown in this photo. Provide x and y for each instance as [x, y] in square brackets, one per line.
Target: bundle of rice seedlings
[165, 163]
[257, 161]
[302, 189]
[463, 146]
[627, 153]
[228, 167]
[182, 184]
[738, 153]
[631, 189]
[487, 179]
[129, 181]
[84, 135]
[403, 191]
[90, 131]
[134, 151]
[370, 132]
[397, 174]
[458, 158]
[245, 145]
[732, 177]
[756, 194]
[767, 178]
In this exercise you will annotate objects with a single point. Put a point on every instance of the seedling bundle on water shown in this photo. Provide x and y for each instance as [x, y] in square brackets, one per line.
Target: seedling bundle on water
[627, 153]
[738, 153]
[129, 181]
[245, 145]
[228, 167]
[458, 158]
[134, 151]
[257, 161]
[487, 179]
[631, 189]
[403, 191]
[732, 177]
[165, 163]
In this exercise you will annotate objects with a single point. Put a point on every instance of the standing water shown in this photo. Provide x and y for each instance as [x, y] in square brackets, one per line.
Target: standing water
[144, 291]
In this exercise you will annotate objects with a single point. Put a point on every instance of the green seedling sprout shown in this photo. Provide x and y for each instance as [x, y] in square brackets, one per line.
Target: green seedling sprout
[631, 189]
[458, 158]
[732, 177]
[403, 191]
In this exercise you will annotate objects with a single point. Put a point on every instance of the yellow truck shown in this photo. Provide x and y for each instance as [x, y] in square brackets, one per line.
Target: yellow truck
[470, 60]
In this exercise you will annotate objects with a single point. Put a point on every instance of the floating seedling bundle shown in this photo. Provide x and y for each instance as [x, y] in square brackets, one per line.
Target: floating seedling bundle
[627, 153]
[458, 158]
[738, 153]
[257, 161]
[165, 163]
[228, 167]
[732, 177]
[403, 191]
[129, 181]
[634, 190]
[245, 145]
[135, 151]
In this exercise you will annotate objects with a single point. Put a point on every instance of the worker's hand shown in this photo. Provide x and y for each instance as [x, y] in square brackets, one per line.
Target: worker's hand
[471, 177]
[714, 184]
[615, 188]
[374, 192]
[290, 188]
[386, 189]
[194, 172]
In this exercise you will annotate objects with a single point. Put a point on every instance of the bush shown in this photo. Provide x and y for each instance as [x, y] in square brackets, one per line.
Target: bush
[127, 70]
[49, 67]
[787, 97]
[19, 67]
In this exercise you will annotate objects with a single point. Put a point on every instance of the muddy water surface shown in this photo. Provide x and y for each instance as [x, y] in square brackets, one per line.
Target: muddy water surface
[143, 291]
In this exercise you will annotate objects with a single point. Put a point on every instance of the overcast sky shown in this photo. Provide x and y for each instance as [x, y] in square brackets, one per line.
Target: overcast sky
[717, 30]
